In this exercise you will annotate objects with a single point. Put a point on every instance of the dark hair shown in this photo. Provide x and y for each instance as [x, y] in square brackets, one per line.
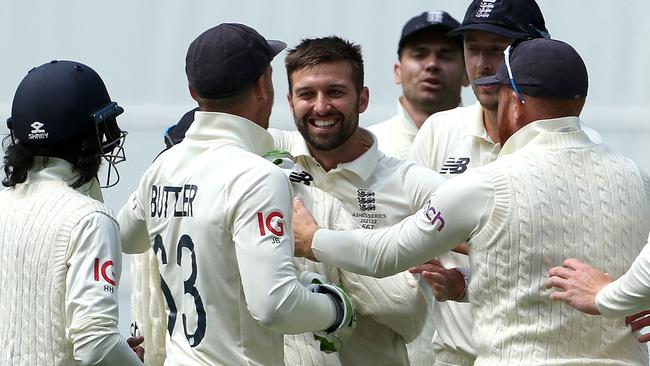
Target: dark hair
[314, 51]
[82, 151]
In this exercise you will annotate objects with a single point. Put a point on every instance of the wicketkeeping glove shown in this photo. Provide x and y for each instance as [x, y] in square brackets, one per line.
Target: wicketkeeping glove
[332, 339]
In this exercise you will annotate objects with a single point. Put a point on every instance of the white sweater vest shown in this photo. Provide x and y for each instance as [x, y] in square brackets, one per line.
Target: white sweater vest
[34, 249]
[559, 197]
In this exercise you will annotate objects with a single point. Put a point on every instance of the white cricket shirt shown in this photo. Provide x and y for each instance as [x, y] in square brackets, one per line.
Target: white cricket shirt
[396, 134]
[218, 217]
[378, 191]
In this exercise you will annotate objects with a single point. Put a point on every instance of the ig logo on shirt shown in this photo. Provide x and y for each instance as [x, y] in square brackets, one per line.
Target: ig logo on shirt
[273, 222]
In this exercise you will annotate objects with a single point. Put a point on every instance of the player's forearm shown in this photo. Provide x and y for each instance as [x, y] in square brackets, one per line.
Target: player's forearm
[384, 252]
[630, 293]
[104, 349]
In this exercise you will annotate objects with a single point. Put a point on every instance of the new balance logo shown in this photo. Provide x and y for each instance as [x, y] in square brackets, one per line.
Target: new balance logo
[454, 166]
[301, 177]
[37, 133]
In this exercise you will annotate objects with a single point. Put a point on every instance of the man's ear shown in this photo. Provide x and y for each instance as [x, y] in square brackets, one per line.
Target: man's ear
[465, 81]
[519, 107]
[397, 73]
[193, 93]
[290, 101]
[364, 97]
[259, 89]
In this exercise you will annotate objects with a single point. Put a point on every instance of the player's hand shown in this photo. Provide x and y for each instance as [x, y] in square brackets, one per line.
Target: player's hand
[462, 248]
[304, 228]
[638, 321]
[447, 284]
[579, 284]
[332, 339]
[135, 344]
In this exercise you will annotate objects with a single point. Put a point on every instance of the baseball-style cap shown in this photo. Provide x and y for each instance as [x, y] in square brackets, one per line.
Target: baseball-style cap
[517, 19]
[57, 101]
[427, 20]
[543, 68]
[228, 58]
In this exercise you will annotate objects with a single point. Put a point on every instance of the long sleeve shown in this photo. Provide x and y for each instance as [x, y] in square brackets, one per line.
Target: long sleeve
[631, 292]
[264, 249]
[133, 228]
[454, 213]
[91, 304]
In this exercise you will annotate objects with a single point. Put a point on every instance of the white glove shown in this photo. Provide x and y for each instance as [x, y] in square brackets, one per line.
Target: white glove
[332, 339]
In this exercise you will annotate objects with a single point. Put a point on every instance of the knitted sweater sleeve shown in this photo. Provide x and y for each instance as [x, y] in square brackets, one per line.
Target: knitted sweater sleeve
[91, 304]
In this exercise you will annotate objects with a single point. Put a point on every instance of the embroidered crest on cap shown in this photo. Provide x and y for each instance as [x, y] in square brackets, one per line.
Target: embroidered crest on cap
[485, 8]
[434, 16]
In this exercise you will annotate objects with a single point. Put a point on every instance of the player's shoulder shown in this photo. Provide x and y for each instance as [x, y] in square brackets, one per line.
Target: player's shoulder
[450, 120]
[382, 127]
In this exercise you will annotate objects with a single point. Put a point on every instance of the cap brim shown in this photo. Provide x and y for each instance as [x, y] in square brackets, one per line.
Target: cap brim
[488, 81]
[276, 46]
[492, 28]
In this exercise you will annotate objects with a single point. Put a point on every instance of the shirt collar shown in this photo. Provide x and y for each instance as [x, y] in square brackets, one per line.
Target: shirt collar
[532, 130]
[54, 169]
[229, 128]
[407, 123]
[363, 166]
[476, 126]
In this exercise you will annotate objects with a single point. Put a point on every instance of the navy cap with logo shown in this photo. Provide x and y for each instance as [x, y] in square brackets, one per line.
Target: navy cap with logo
[57, 101]
[427, 20]
[226, 59]
[543, 68]
[516, 19]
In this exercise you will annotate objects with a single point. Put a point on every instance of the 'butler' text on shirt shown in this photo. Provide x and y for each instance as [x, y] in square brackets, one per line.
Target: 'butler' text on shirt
[180, 204]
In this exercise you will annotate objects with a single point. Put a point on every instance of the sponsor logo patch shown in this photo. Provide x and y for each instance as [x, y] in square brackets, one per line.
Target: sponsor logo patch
[273, 222]
[454, 166]
[37, 132]
[434, 216]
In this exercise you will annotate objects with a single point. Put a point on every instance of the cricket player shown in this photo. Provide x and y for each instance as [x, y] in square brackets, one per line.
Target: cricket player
[60, 254]
[453, 141]
[431, 72]
[326, 95]
[218, 218]
[552, 193]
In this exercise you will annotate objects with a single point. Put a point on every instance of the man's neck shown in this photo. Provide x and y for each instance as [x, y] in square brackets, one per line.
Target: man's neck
[417, 115]
[351, 150]
[491, 123]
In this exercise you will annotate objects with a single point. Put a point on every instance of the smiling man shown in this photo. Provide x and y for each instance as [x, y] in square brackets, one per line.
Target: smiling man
[326, 95]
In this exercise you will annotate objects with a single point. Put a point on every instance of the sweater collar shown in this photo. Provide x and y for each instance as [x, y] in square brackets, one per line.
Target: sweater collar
[229, 129]
[534, 129]
[48, 169]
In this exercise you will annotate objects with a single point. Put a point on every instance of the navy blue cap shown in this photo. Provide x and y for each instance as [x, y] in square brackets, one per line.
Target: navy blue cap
[57, 101]
[226, 59]
[427, 20]
[543, 68]
[516, 19]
